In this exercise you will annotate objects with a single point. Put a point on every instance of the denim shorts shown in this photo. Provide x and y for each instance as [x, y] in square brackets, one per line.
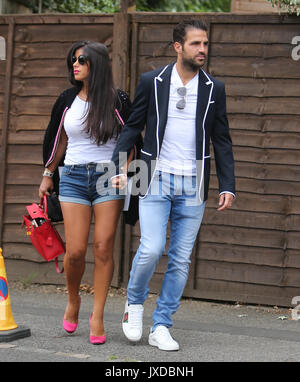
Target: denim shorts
[87, 184]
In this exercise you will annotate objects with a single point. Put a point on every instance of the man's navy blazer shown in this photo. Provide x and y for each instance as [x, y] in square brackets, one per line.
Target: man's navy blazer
[150, 109]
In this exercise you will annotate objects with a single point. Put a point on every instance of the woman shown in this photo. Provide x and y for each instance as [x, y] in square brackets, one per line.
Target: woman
[85, 122]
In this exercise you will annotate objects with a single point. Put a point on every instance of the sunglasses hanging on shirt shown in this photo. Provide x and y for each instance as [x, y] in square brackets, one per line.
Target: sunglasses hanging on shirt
[81, 59]
[182, 102]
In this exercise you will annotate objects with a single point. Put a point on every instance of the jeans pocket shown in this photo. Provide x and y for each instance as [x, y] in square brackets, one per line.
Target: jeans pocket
[67, 170]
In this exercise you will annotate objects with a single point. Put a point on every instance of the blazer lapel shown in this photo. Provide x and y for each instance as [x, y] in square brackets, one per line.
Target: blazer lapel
[163, 93]
[204, 97]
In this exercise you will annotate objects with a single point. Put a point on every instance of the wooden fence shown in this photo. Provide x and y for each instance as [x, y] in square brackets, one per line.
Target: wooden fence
[249, 253]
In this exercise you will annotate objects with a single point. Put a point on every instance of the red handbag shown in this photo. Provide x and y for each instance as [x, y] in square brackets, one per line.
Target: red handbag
[44, 237]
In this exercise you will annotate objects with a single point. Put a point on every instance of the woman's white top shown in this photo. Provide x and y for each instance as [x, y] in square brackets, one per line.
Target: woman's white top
[82, 149]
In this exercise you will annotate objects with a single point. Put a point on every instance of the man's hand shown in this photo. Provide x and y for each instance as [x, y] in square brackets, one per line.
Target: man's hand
[225, 201]
[120, 181]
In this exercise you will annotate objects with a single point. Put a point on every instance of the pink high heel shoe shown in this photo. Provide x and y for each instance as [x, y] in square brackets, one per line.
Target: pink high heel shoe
[96, 340]
[70, 327]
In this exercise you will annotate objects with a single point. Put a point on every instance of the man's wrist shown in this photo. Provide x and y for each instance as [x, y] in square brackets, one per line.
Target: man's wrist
[227, 192]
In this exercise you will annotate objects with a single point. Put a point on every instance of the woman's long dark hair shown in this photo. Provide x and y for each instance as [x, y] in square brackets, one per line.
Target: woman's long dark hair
[101, 122]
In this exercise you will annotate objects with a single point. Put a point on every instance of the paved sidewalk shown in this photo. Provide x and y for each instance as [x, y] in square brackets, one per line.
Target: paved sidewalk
[206, 331]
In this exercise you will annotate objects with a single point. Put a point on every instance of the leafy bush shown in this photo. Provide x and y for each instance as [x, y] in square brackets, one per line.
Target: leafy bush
[111, 6]
[292, 6]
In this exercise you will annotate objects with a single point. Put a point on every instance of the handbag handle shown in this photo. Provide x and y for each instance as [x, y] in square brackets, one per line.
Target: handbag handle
[43, 203]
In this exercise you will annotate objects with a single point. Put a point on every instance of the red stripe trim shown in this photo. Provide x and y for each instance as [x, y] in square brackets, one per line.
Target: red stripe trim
[56, 138]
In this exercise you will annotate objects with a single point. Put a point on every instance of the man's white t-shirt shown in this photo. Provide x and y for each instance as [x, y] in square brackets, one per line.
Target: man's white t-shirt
[178, 151]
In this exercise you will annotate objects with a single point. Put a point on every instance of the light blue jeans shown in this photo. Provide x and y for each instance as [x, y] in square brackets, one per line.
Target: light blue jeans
[175, 197]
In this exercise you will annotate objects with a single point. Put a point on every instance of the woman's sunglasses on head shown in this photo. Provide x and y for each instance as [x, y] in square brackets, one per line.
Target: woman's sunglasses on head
[81, 59]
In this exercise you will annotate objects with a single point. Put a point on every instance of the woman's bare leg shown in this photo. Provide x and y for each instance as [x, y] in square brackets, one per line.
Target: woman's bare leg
[77, 221]
[106, 220]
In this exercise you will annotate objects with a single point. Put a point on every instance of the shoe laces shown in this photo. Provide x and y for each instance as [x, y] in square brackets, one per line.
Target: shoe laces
[164, 333]
[135, 315]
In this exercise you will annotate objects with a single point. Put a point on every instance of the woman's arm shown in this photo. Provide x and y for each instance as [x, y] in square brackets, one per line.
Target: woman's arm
[47, 182]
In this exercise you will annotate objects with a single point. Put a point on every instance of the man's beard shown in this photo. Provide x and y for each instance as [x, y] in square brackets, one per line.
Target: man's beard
[191, 65]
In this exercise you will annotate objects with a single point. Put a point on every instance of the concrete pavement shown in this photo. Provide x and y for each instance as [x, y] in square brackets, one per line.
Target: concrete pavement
[206, 331]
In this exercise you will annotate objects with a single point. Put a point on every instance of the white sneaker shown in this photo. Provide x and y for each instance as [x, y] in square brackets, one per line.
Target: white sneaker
[162, 339]
[132, 323]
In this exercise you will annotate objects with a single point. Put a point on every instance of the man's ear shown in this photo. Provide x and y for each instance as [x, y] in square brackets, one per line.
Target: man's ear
[177, 47]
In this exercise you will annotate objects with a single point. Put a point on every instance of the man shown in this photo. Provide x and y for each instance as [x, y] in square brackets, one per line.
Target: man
[183, 109]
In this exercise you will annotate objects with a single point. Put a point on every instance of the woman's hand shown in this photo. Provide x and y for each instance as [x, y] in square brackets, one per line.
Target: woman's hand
[46, 186]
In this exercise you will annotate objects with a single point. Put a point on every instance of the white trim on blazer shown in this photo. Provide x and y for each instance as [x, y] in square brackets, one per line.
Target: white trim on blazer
[209, 82]
[157, 126]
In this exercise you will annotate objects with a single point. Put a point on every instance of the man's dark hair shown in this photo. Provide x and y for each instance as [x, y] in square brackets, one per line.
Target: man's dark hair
[179, 31]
